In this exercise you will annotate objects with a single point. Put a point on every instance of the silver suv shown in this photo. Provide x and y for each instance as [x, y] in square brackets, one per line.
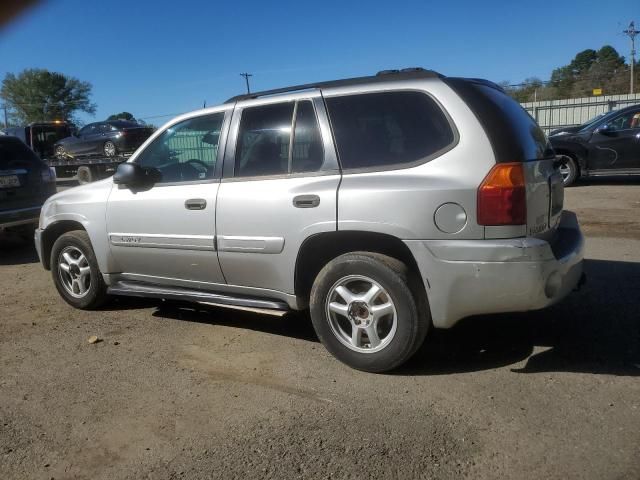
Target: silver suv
[387, 205]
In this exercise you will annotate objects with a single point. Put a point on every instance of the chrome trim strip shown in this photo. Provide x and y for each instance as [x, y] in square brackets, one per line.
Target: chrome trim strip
[228, 243]
[153, 240]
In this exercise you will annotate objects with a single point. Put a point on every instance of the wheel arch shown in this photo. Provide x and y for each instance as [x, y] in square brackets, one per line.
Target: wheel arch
[579, 159]
[52, 233]
[317, 250]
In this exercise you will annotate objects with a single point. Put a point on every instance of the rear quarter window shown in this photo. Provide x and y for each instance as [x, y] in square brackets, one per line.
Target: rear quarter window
[388, 129]
[514, 134]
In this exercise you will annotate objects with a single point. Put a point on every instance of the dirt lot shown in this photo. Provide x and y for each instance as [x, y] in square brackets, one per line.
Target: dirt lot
[172, 392]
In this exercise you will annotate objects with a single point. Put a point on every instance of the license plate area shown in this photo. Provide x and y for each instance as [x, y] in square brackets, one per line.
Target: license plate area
[9, 181]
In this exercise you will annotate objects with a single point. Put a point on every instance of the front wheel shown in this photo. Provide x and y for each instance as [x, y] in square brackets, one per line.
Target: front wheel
[369, 311]
[60, 152]
[75, 271]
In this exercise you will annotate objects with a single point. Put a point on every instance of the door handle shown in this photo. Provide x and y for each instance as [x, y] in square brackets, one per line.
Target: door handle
[306, 201]
[195, 204]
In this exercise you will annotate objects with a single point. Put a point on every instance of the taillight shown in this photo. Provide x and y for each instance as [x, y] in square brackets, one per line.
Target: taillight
[502, 196]
[48, 174]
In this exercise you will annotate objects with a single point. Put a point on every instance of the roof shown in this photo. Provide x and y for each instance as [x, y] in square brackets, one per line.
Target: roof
[380, 77]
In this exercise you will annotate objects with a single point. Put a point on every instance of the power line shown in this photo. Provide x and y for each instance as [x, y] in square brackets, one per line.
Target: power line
[246, 79]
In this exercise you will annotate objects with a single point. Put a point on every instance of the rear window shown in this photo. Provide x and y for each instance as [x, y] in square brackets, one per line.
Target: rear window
[514, 134]
[15, 154]
[379, 130]
[125, 124]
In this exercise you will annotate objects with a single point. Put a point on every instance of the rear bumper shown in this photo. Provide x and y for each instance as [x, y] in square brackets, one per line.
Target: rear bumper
[472, 277]
[19, 216]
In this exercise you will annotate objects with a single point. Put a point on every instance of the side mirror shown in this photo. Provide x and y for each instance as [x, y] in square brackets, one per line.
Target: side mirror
[605, 129]
[133, 175]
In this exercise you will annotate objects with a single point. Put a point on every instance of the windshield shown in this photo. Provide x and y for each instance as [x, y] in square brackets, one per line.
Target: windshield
[603, 117]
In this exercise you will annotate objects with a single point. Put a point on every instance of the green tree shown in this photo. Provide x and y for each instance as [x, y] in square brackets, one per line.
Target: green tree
[122, 116]
[40, 95]
[582, 61]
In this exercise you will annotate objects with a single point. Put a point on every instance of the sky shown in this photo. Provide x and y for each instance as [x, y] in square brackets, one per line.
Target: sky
[156, 59]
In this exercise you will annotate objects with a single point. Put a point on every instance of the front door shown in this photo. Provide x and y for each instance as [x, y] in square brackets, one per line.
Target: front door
[617, 147]
[166, 234]
[279, 188]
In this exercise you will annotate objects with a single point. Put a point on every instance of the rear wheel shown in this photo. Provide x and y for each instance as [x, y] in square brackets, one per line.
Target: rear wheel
[568, 170]
[110, 149]
[86, 174]
[75, 271]
[369, 311]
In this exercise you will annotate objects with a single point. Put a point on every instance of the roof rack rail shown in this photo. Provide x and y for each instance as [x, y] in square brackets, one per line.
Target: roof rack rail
[383, 76]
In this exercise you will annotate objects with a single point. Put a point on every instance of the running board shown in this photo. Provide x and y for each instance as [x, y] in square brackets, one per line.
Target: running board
[139, 289]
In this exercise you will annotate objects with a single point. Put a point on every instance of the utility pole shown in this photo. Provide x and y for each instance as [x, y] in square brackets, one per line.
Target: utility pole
[631, 32]
[6, 122]
[246, 79]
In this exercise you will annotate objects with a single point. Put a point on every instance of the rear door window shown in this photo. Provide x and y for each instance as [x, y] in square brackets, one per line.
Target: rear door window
[387, 129]
[279, 139]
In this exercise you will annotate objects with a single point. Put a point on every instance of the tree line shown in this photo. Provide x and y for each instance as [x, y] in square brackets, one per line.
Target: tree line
[39, 95]
[590, 69]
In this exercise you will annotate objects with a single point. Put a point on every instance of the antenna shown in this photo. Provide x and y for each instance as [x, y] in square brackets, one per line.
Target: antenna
[631, 32]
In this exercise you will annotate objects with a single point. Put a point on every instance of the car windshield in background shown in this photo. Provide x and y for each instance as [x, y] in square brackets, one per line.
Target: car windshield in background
[604, 117]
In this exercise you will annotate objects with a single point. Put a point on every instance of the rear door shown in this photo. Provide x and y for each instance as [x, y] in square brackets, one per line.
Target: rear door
[279, 187]
[84, 142]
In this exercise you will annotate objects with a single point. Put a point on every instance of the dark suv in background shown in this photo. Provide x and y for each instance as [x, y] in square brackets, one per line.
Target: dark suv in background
[25, 183]
[104, 138]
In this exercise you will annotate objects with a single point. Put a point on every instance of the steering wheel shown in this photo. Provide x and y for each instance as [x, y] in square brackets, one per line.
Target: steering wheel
[195, 161]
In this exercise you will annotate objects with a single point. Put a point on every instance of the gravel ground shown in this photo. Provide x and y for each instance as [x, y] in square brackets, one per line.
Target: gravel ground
[206, 392]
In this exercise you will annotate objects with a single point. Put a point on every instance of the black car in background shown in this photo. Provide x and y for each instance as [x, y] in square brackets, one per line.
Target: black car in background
[104, 138]
[575, 128]
[25, 183]
[608, 146]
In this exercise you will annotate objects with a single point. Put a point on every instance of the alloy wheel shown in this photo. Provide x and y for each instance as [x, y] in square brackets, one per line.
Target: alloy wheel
[361, 314]
[74, 271]
[109, 149]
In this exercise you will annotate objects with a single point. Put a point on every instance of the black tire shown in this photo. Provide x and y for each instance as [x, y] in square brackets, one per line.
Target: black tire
[404, 289]
[109, 149]
[96, 293]
[570, 166]
[85, 175]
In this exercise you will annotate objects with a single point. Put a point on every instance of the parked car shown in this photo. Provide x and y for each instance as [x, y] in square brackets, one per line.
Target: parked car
[387, 205]
[104, 138]
[25, 183]
[42, 136]
[608, 146]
